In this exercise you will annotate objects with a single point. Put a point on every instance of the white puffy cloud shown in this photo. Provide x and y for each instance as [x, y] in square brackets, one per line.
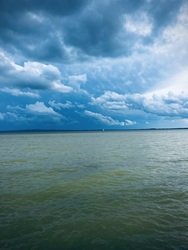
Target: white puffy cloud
[32, 113]
[80, 78]
[1, 116]
[139, 24]
[78, 105]
[129, 122]
[167, 104]
[32, 75]
[76, 81]
[17, 92]
[39, 108]
[60, 106]
[104, 119]
[111, 101]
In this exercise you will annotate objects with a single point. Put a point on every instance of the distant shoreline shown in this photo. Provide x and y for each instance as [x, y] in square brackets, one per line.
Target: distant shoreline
[80, 131]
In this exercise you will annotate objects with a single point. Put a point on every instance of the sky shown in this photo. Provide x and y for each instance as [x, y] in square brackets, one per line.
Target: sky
[92, 64]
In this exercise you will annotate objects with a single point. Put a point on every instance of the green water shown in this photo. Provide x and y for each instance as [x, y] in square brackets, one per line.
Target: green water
[98, 190]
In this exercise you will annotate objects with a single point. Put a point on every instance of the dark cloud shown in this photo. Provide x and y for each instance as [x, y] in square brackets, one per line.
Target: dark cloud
[47, 50]
[97, 31]
[63, 8]
[94, 35]
[163, 12]
[31, 27]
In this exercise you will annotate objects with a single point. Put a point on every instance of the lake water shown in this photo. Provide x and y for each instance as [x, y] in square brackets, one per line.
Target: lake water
[94, 190]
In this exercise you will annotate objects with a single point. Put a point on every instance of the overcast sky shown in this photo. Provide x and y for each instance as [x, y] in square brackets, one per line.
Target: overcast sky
[93, 64]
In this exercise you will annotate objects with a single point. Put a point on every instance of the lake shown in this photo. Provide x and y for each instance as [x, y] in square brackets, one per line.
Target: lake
[94, 190]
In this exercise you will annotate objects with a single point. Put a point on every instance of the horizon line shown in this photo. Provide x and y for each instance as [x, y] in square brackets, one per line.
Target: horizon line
[85, 130]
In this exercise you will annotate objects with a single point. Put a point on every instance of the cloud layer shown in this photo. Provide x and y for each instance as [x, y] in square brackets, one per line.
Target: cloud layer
[93, 64]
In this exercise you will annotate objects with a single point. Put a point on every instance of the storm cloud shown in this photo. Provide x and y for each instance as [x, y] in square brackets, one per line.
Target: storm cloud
[122, 61]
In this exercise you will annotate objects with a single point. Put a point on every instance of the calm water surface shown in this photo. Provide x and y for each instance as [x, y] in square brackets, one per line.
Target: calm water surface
[98, 190]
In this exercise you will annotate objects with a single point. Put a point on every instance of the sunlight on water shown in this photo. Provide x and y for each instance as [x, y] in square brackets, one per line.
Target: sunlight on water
[110, 190]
